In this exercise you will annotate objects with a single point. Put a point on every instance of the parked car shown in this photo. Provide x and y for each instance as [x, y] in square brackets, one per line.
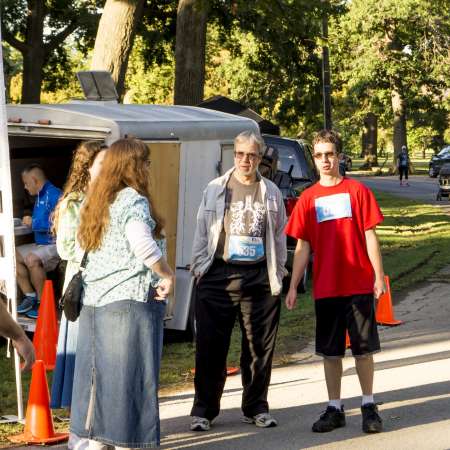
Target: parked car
[444, 182]
[296, 172]
[438, 160]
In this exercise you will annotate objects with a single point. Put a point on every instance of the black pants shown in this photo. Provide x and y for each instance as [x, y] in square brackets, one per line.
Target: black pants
[223, 293]
[403, 171]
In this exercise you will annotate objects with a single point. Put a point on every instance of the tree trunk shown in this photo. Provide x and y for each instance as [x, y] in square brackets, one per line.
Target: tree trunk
[115, 38]
[33, 63]
[369, 140]
[33, 53]
[190, 52]
[399, 111]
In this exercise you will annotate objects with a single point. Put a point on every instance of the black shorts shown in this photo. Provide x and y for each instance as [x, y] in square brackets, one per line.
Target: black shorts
[356, 314]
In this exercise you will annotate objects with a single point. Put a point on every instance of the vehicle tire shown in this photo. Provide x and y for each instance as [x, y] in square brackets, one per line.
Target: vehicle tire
[349, 166]
[439, 197]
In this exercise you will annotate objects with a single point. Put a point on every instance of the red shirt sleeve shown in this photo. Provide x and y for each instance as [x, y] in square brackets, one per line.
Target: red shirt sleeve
[297, 224]
[371, 213]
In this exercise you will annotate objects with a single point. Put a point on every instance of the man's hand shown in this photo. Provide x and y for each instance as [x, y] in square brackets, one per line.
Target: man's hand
[291, 299]
[25, 349]
[379, 288]
[164, 288]
[27, 220]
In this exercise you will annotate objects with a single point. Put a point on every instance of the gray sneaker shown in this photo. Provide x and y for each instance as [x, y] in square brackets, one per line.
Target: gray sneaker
[200, 424]
[263, 420]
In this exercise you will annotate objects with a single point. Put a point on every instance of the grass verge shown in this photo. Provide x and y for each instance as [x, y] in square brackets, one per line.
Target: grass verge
[415, 241]
[419, 167]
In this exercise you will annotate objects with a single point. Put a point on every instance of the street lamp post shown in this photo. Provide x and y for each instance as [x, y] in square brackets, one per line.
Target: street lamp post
[326, 78]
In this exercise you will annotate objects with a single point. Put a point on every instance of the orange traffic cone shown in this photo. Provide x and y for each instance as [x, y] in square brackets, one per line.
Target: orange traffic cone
[45, 338]
[38, 421]
[347, 340]
[385, 312]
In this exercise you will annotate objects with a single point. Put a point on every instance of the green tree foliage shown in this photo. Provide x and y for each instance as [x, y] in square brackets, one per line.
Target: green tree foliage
[388, 50]
[40, 31]
[277, 46]
[263, 53]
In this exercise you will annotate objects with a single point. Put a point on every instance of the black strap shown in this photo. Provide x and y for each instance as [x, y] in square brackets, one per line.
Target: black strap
[83, 261]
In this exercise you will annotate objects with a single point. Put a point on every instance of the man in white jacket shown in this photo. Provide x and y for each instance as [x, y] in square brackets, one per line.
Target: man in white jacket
[238, 259]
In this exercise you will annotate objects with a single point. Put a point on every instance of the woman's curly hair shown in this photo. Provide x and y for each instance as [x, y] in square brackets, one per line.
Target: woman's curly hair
[79, 177]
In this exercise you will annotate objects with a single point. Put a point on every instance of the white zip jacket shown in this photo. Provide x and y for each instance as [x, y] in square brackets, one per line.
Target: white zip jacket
[210, 223]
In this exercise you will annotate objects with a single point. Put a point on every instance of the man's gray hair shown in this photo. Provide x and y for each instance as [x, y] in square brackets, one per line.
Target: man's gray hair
[251, 137]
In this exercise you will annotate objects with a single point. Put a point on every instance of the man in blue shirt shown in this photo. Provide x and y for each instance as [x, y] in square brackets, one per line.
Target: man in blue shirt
[34, 260]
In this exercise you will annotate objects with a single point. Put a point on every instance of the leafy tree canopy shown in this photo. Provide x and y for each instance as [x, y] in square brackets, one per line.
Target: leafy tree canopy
[63, 25]
[381, 44]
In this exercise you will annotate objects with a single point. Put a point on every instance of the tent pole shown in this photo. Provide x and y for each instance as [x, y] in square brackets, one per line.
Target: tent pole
[7, 256]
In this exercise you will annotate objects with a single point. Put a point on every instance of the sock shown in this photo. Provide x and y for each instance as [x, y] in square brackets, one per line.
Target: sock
[335, 403]
[367, 399]
[31, 294]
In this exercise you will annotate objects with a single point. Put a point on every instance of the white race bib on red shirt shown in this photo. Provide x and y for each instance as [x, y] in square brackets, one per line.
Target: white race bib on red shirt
[331, 207]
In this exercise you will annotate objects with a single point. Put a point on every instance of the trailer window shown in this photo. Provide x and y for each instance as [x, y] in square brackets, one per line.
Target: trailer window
[227, 158]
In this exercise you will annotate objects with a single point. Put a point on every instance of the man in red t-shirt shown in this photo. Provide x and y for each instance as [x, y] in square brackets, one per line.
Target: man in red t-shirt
[335, 219]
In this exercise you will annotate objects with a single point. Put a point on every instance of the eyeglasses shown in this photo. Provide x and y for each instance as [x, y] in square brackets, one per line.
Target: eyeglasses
[251, 156]
[328, 155]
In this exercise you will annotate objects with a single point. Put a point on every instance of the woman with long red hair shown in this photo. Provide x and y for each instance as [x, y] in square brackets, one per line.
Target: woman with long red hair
[126, 283]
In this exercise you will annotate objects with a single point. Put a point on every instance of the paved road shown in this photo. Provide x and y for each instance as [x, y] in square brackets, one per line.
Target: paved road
[412, 382]
[421, 187]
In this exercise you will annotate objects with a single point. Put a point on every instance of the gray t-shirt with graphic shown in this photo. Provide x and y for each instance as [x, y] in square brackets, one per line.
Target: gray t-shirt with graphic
[242, 240]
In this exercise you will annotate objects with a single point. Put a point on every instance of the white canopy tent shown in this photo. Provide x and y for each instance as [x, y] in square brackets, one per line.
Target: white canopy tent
[7, 249]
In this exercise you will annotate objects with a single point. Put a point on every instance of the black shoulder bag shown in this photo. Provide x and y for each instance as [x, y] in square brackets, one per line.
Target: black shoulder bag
[71, 300]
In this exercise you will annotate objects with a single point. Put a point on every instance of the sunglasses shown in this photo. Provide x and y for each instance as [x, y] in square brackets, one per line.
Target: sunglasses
[251, 156]
[328, 155]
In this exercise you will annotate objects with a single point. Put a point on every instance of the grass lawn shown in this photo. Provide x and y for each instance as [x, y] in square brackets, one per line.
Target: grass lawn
[415, 241]
[420, 166]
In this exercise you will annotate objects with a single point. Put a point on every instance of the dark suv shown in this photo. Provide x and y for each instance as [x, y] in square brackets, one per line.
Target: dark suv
[438, 160]
[296, 172]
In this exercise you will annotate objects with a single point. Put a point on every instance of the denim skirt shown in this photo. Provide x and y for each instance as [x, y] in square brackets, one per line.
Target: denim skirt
[115, 392]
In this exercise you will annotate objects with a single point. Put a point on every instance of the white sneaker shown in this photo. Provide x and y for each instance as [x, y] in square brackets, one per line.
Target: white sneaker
[200, 424]
[263, 420]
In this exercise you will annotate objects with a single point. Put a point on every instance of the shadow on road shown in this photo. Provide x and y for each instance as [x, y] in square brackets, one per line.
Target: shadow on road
[400, 409]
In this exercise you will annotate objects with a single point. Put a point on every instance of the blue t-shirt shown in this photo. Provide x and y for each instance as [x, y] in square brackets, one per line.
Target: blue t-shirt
[403, 159]
[44, 206]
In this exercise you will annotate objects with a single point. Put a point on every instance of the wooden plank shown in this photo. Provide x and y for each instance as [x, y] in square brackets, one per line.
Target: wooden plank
[164, 180]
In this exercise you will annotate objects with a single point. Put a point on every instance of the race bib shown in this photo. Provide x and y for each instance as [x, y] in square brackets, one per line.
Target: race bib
[333, 207]
[245, 248]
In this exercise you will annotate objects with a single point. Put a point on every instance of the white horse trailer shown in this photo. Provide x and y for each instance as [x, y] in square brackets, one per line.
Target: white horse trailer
[189, 147]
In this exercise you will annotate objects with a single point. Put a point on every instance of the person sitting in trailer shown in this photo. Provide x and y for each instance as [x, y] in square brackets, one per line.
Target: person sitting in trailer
[34, 260]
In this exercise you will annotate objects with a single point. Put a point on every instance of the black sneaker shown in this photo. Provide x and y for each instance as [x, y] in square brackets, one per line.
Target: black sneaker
[332, 418]
[371, 421]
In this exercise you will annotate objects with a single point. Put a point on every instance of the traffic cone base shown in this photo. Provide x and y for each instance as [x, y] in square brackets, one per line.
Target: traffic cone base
[38, 421]
[26, 438]
[385, 312]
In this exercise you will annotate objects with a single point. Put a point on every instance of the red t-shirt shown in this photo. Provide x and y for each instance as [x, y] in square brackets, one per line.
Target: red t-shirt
[334, 220]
